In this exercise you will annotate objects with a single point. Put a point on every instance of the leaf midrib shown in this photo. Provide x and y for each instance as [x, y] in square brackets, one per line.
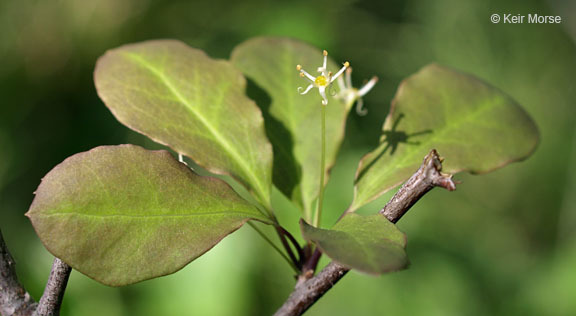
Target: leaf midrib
[60, 214]
[220, 139]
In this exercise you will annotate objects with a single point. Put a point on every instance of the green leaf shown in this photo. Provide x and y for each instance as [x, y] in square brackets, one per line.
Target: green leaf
[178, 96]
[271, 63]
[475, 126]
[123, 214]
[370, 244]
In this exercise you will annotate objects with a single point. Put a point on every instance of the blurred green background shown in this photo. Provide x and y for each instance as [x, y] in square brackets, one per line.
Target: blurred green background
[502, 244]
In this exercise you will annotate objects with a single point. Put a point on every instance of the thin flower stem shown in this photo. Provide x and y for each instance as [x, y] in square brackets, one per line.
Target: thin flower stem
[293, 241]
[292, 264]
[318, 215]
[284, 241]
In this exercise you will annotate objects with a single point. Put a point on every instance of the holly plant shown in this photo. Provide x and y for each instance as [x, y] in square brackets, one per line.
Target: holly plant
[124, 214]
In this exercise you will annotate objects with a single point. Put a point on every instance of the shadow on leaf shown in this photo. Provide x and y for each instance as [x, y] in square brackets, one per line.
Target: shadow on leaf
[392, 139]
[286, 173]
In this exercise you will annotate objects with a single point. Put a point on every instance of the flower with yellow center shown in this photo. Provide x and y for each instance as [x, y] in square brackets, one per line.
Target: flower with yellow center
[323, 80]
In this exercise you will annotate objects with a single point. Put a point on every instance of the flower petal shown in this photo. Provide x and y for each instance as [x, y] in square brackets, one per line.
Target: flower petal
[307, 89]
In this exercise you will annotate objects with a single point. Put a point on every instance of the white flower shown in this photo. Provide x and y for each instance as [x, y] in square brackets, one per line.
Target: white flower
[323, 80]
[349, 94]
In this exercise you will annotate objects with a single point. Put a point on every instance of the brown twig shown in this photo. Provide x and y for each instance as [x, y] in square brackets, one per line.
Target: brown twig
[14, 300]
[283, 232]
[427, 177]
[51, 300]
[284, 241]
[309, 267]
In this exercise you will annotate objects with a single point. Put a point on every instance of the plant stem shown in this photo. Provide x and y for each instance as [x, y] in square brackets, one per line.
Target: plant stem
[318, 215]
[51, 300]
[428, 176]
[294, 243]
[14, 300]
[282, 236]
[290, 262]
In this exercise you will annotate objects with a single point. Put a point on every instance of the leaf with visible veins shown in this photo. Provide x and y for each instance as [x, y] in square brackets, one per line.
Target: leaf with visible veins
[123, 214]
[475, 126]
[371, 244]
[271, 63]
[180, 97]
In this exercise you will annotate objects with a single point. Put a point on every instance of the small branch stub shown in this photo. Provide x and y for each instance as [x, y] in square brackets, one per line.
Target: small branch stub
[427, 177]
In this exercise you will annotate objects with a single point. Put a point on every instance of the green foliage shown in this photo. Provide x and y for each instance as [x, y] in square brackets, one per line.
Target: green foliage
[476, 127]
[271, 63]
[123, 214]
[179, 97]
[370, 244]
[469, 248]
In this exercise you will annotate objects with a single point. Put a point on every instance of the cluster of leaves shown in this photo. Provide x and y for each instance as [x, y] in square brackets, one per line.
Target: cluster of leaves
[123, 214]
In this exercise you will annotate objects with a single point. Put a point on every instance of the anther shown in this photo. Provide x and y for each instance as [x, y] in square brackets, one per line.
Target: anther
[346, 64]
[325, 53]
[298, 67]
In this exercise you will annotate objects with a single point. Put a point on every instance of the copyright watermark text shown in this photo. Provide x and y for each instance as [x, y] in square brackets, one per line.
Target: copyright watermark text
[509, 18]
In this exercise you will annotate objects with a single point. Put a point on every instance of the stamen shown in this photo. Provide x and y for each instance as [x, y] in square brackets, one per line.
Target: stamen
[349, 77]
[298, 67]
[341, 84]
[346, 65]
[309, 76]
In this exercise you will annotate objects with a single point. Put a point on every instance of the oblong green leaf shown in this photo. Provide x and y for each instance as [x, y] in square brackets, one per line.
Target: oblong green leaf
[180, 97]
[271, 63]
[123, 214]
[370, 244]
[475, 126]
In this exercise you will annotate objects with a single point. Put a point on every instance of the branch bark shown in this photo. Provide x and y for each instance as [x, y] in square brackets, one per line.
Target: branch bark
[51, 300]
[14, 300]
[428, 176]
